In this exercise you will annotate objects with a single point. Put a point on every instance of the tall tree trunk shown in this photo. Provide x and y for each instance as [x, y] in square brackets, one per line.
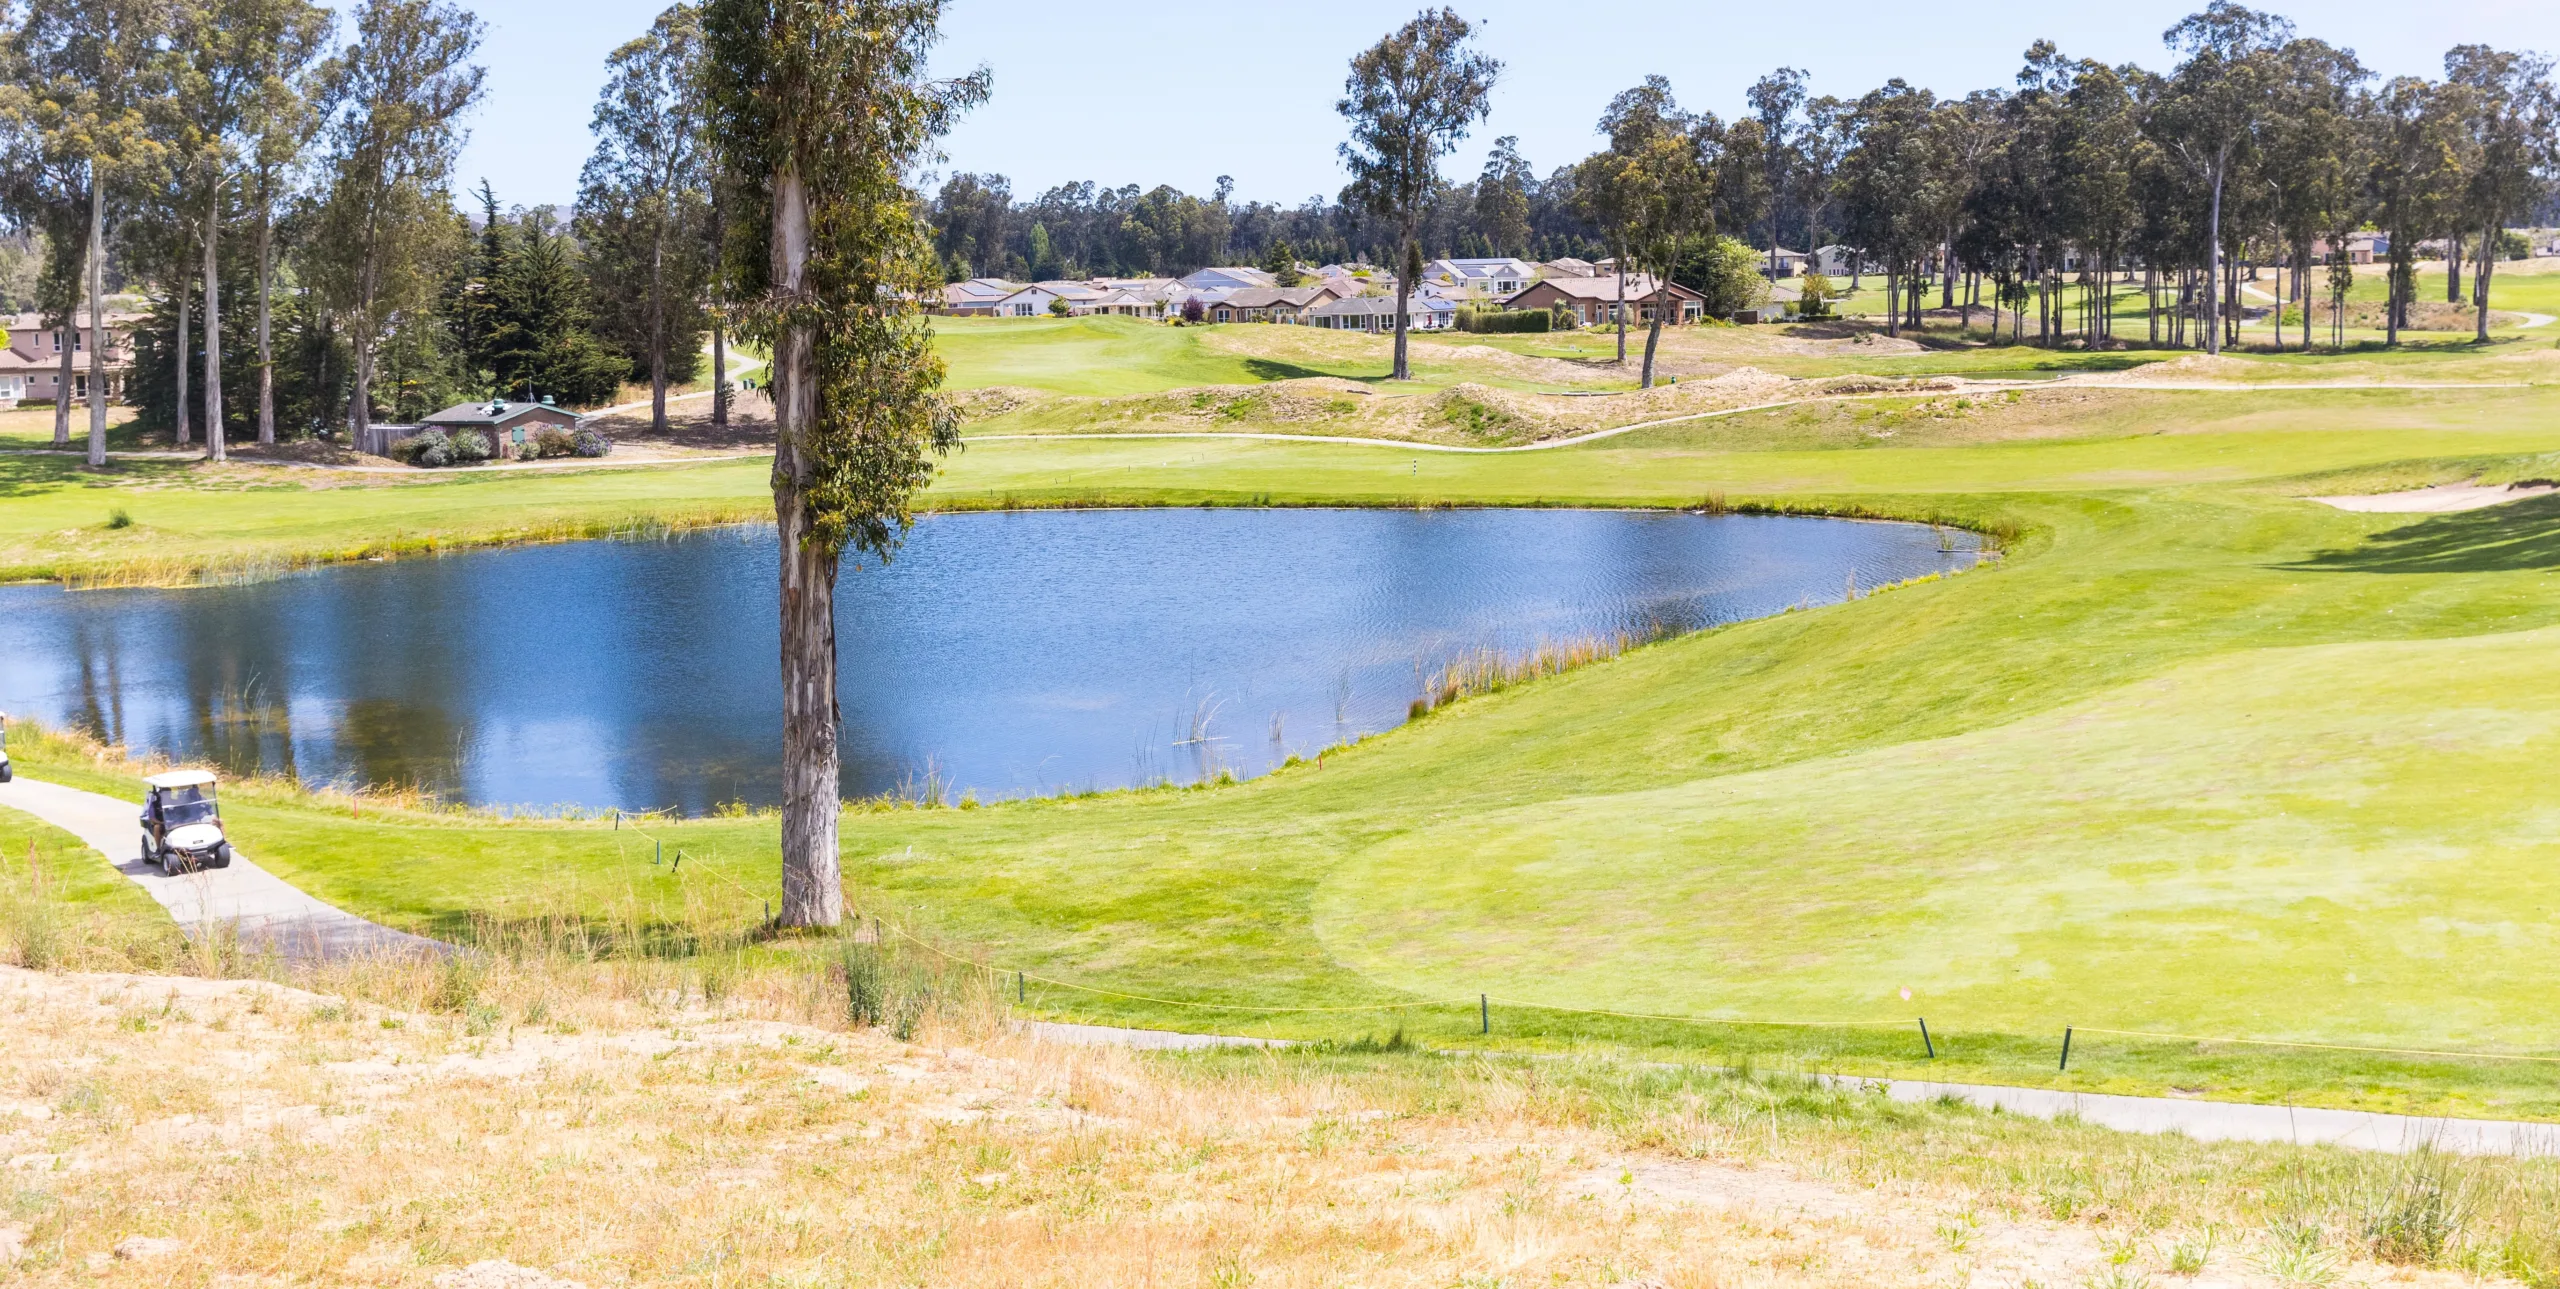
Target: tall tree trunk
[1408, 279]
[719, 375]
[360, 395]
[2488, 262]
[1621, 266]
[2453, 268]
[1893, 298]
[67, 339]
[97, 321]
[186, 325]
[1947, 291]
[266, 314]
[2213, 267]
[812, 877]
[658, 329]
[216, 448]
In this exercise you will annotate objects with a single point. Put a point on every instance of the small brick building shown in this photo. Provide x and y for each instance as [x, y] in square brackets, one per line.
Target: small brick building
[506, 425]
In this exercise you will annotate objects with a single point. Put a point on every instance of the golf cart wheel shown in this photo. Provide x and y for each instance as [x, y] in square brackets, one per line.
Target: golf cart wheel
[6, 773]
[221, 856]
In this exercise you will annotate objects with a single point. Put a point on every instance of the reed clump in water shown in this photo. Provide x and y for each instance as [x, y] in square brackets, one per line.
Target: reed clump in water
[1486, 671]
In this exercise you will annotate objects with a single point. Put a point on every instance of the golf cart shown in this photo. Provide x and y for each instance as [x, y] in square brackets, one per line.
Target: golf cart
[181, 827]
[5, 773]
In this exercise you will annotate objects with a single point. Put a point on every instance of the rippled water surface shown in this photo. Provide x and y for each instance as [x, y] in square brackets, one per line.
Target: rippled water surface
[1002, 653]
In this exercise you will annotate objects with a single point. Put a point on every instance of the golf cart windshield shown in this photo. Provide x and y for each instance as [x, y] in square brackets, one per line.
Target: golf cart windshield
[190, 805]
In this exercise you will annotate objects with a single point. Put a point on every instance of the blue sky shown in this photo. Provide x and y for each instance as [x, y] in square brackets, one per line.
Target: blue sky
[1182, 91]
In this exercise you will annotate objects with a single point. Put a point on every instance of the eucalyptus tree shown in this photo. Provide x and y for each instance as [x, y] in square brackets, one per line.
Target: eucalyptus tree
[1502, 198]
[84, 73]
[1777, 103]
[2415, 176]
[819, 111]
[392, 102]
[1411, 98]
[2098, 132]
[2309, 162]
[1661, 168]
[2216, 101]
[1813, 162]
[1605, 197]
[644, 198]
[2511, 116]
[1970, 132]
[46, 191]
[1887, 183]
[234, 67]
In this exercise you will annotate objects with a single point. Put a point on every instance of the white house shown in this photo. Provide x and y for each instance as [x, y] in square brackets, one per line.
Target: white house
[1843, 261]
[1790, 263]
[1499, 278]
[1377, 313]
[1082, 299]
[977, 297]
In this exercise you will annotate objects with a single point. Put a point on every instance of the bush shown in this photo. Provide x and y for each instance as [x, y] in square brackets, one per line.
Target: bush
[470, 446]
[426, 449]
[551, 442]
[588, 443]
[1504, 321]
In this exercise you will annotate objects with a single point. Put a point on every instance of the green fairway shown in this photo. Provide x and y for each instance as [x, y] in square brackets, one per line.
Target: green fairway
[2197, 757]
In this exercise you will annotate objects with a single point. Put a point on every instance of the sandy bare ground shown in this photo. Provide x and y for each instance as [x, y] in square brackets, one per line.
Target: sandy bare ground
[245, 1133]
[2442, 499]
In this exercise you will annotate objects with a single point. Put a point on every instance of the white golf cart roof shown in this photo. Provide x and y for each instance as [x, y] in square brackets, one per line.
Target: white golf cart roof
[182, 779]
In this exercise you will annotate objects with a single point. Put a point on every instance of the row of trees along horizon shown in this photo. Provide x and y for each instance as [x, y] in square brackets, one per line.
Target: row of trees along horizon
[299, 204]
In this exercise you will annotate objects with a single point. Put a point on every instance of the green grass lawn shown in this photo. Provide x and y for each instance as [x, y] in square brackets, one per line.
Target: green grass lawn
[63, 905]
[2197, 757]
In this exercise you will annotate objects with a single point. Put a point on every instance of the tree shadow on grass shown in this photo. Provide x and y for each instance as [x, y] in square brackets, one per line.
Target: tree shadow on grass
[26, 475]
[2511, 538]
[1274, 369]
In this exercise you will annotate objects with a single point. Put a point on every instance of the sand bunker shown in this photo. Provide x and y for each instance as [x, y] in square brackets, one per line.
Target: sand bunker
[2443, 499]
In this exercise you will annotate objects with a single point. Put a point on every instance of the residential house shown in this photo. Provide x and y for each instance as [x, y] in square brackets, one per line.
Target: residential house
[1789, 263]
[1594, 300]
[1426, 311]
[1287, 304]
[977, 297]
[1082, 300]
[2361, 248]
[31, 367]
[1159, 295]
[506, 425]
[1230, 278]
[1482, 278]
[1569, 267]
[1837, 261]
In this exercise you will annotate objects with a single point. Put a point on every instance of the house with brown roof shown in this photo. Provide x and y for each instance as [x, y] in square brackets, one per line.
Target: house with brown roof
[1594, 300]
[1286, 304]
[505, 425]
[31, 367]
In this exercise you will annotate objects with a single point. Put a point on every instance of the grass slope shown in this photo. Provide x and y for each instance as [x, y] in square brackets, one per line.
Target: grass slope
[1804, 814]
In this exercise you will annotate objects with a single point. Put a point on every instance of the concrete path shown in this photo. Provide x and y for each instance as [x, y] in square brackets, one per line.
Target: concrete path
[2201, 1120]
[267, 912]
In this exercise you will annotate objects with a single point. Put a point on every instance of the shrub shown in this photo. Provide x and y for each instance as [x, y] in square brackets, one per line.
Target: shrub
[1504, 321]
[589, 443]
[427, 449]
[551, 442]
[470, 446]
[1192, 312]
[529, 450]
[1059, 307]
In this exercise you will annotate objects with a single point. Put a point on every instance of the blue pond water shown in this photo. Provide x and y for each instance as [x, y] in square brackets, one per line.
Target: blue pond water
[1004, 654]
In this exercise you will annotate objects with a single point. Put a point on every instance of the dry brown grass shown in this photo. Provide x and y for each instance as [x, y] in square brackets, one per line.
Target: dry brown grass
[468, 1125]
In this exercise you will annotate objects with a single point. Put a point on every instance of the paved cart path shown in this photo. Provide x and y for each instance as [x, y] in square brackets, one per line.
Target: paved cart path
[268, 912]
[2201, 1120]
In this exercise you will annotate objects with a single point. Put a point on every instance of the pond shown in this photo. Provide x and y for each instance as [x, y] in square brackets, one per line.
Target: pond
[1000, 654]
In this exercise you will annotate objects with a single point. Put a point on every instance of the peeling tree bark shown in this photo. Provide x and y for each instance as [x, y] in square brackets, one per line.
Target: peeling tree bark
[812, 877]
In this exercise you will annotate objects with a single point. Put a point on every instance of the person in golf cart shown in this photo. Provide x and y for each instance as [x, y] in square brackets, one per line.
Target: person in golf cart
[181, 826]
